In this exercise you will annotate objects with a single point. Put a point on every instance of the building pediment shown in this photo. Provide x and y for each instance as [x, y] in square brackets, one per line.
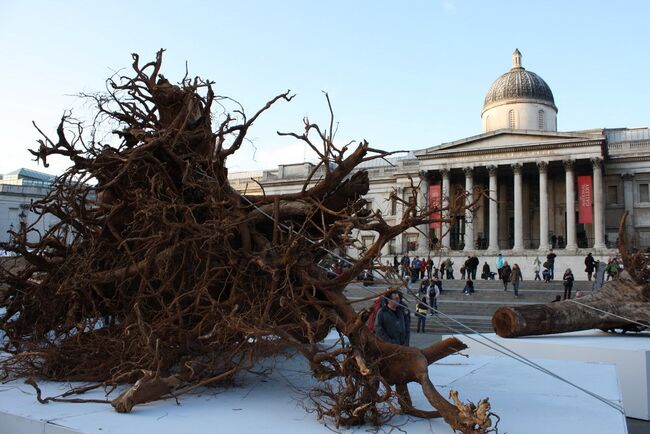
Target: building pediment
[507, 140]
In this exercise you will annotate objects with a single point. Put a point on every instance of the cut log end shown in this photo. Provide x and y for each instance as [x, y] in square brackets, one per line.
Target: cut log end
[505, 322]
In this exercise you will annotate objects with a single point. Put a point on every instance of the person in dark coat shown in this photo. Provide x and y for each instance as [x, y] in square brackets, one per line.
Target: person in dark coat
[393, 321]
[550, 261]
[516, 278]
[473, 266]
[590, 265]
[434, 293]
[568, 283]
[505, 275]
[469, 287]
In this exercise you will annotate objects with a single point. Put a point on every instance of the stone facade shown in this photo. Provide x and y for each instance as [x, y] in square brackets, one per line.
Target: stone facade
[18, 190]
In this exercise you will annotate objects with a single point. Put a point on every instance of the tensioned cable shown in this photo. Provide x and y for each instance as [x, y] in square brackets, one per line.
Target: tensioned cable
[508, 352]
[609, 313]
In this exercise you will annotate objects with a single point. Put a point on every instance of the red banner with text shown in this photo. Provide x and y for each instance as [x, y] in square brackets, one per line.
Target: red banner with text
[435, 203]
[585, 199]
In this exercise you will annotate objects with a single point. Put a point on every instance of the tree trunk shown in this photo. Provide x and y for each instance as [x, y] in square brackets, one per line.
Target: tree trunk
[622, 297]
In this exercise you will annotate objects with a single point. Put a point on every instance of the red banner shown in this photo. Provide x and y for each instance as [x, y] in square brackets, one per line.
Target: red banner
[435, 203]
[585, 199]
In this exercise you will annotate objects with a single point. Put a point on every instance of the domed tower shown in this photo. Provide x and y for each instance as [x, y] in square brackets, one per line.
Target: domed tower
[519, 99]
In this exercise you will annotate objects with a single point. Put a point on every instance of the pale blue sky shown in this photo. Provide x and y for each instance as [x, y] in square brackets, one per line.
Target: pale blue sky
[403, 75]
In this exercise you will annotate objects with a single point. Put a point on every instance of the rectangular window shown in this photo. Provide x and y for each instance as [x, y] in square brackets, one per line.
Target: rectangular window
[644, 194]
[612, 194]
[411, 242]
[393, 205]
[367, 241]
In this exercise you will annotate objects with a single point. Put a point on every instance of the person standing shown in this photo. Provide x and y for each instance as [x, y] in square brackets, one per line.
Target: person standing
[613, 268]
[421, 313]
[500, 262]
[472, 266]
[406, 263]
[429, 268]
[550, 260]
[434, 293]
[516, 277]
[415, 269]
[424, 288]
[590, 265]
[568, 283]
[393, 321]
[505, 275]
[536, 266]
[449, 269]
[395, 264]
[486, 274]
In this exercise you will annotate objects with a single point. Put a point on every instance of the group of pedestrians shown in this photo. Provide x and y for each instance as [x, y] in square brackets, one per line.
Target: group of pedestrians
[509, 274]
[417, 268]
[413, 269]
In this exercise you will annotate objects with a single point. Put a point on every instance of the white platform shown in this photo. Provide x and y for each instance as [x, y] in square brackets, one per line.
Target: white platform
[630, 353]
[527, 402]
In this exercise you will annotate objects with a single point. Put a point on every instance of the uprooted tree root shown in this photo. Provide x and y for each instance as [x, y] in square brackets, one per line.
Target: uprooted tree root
[159, 274]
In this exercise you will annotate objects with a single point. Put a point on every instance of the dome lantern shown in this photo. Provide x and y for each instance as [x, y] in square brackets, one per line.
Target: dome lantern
[516, 59]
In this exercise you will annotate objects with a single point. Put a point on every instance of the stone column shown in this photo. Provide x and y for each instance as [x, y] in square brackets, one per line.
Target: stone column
[599, 210]
[423, 194]
[469, 214]
[399, 192]
[493, 238]
[445, 204]
[628, 201]
[519, 214]
[570, 206]
[543, 206]
[504, 227]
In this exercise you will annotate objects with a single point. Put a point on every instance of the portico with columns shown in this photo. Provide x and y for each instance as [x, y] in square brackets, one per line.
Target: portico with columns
[523, 186]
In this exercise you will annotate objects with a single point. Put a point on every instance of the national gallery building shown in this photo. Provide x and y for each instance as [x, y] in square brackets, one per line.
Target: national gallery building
[536, 188]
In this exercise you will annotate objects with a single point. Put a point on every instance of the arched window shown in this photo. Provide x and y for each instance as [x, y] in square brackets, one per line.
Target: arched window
[487, 123]
[540, 119]
[511, 119]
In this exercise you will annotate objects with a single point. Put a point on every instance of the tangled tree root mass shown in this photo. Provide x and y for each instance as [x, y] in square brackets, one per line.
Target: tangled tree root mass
[160, 275]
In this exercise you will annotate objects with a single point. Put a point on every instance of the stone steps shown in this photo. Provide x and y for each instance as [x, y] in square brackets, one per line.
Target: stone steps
[473, 310]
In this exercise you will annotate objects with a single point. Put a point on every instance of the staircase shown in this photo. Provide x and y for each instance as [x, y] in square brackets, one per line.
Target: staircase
[475, 310]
